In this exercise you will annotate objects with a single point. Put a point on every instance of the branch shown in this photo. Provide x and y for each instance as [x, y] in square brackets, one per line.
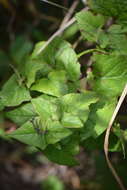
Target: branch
[69, 14]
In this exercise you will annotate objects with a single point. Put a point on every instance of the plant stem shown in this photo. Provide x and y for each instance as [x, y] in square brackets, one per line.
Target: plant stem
[90, 51]
[106, 141]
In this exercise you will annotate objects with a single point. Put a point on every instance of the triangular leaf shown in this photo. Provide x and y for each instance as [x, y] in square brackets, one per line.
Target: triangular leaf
[90, 25]
[22, 114]
[28, 135]
[32, 67]
[50, 87]
[46, 108]
[13, 93]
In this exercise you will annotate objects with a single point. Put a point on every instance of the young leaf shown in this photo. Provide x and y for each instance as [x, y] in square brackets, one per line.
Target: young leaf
[21, 114]
[60, 55]
[13, 94]
[90, 25]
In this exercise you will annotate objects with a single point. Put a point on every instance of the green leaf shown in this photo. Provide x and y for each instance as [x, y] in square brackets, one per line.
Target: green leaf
[59, 156]
[32, 67]
[66, 58]
[50, 87]
[119, 133]
[20, 48]
[1, 104]
[56, 132]
[71, 121]
[36, 49]
[90, 25]
[60, 55]
[78, 104]
[70, 32]
[110, 8]
[93, 144]
[49, 114]
[125, 134]
[13, 94]
[117, 39]
[21, 114]
[28, 135]
[71, 144]
[46, 108]
[59, 75]
[114, 39]
[99, 117]
[52, 182]
[110, 74]
[73, 86]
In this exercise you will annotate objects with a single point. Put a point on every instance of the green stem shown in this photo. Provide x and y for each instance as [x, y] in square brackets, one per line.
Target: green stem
[89, 51]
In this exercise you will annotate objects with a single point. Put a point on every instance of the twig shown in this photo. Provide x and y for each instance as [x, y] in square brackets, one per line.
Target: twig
[55, 4]
[58, 32]
[106, 141]
[20, 79]
[77, 42]
[69, 13]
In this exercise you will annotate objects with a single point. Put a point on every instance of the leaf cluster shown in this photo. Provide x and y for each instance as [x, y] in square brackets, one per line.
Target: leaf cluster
[45, 99]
